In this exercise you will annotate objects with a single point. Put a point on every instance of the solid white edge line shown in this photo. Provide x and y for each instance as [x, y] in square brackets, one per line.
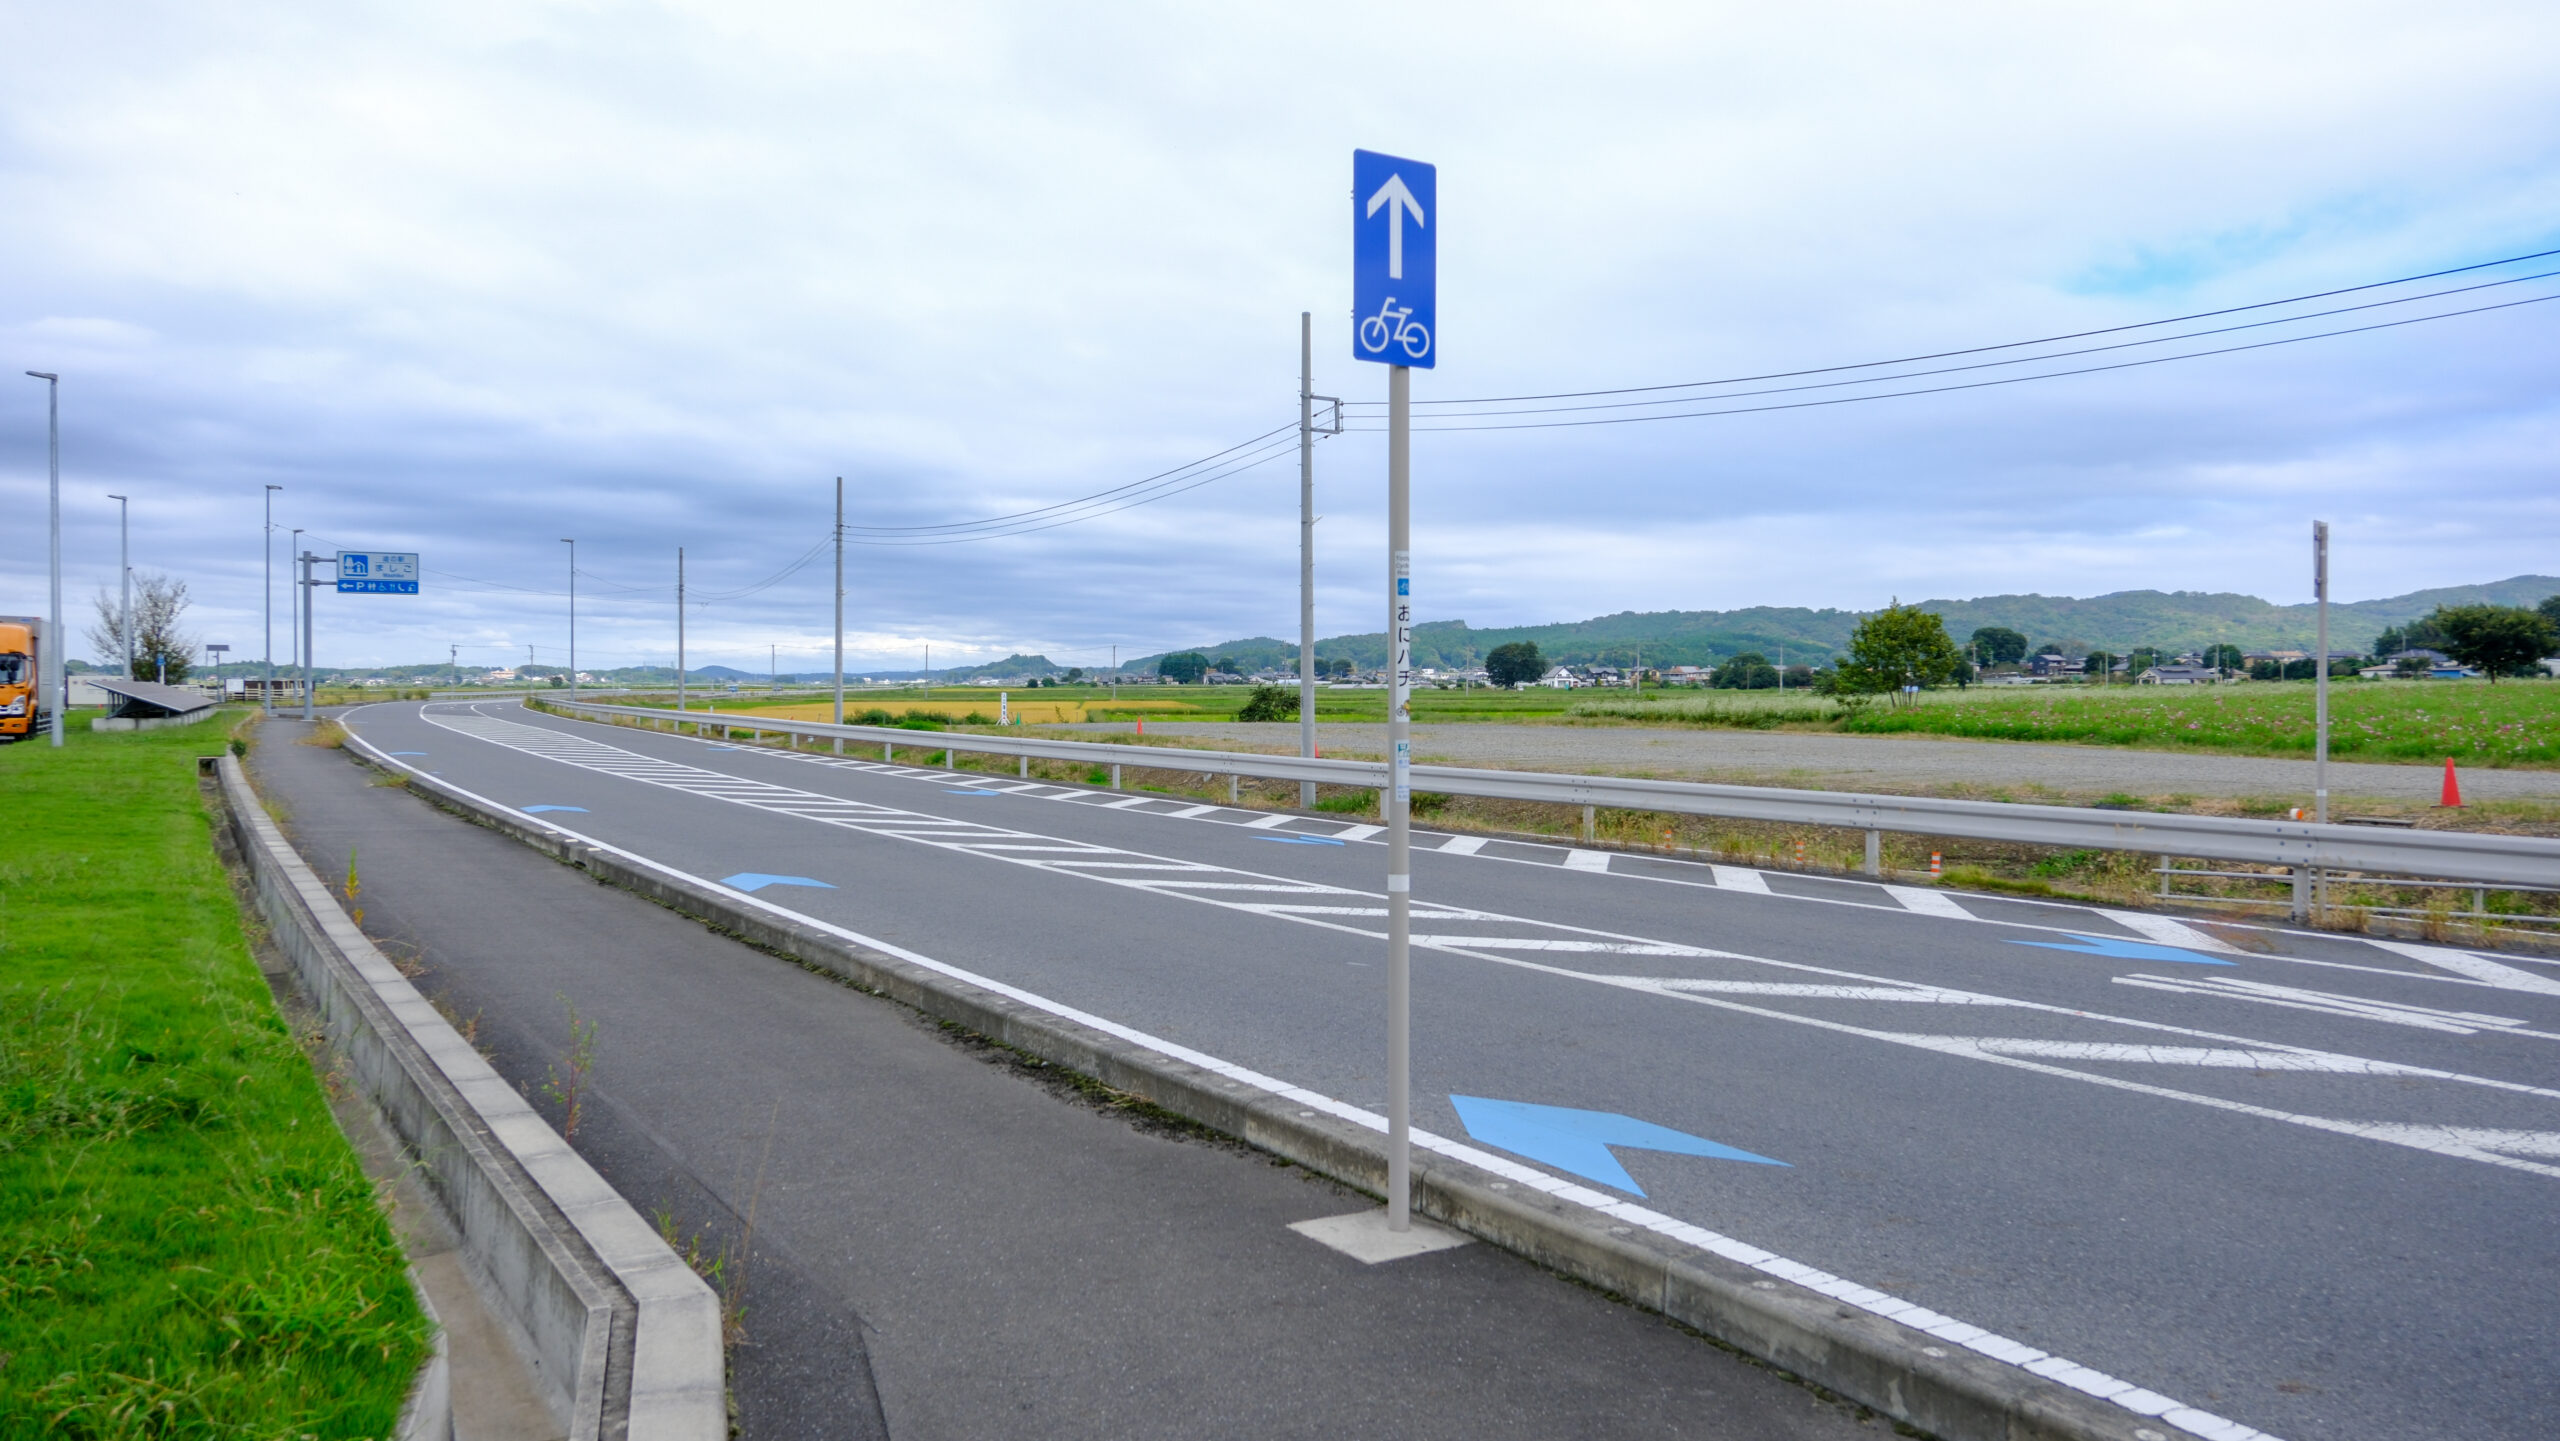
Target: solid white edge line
[2085, 1380]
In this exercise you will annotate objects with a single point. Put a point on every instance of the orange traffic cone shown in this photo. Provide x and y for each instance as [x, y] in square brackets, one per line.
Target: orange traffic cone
[1142, 725]
[2452, 788]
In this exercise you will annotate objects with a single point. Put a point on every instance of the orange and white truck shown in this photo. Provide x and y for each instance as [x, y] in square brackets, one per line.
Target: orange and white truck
[23, 712]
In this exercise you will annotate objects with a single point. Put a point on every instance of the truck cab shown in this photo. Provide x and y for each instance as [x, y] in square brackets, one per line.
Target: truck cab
[22, 710]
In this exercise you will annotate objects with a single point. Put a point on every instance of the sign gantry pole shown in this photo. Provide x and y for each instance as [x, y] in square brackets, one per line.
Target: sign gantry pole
[308, 560]
[1395, 293]
[2320, 698]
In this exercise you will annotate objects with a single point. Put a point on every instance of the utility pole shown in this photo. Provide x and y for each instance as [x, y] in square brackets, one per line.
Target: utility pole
[453, 666]
[573, 615]
[1306, 550]
[679, 628]
[124, 579]
[267, 552]
[56, 688]
[839, 605]
[1115, 670]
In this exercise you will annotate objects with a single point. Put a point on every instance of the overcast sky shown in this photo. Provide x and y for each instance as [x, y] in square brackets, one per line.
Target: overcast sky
[468, 278]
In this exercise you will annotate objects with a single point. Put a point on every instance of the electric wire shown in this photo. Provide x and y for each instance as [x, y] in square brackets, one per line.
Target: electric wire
[2006, 345]
[1172, 477]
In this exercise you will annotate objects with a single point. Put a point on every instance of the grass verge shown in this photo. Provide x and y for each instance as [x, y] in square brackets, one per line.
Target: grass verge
[193, 1249]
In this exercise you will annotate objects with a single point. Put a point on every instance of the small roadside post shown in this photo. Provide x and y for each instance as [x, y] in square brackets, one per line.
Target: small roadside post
[1394, 307]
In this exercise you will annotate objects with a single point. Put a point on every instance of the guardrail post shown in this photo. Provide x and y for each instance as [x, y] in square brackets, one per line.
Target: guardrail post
[839, 745]
[2301, 893]
[1235, 788]
[1875, 853]
[888, 752]
[1591, 823]
[1115, 777]
[1023, 770]
[2164, 878]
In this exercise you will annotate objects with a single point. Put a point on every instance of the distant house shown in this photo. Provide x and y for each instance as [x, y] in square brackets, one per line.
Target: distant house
[2180, 675]
[2054, 663]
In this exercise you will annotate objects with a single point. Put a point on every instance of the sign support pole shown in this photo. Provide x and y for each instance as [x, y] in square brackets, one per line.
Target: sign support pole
[679, 628]
[1306, 551]
[1399, 798]
[308, 560]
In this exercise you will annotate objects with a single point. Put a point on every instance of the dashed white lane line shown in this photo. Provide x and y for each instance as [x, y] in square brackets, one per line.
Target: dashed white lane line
[1125, 802]
[2170, 931]
[1578, 860]
[1187, 812]
[1462, 845]
[2478, 968]
[1269, 822]
[1740, 878]
[1359, 833]
[2087, 1380]
[1927, 903]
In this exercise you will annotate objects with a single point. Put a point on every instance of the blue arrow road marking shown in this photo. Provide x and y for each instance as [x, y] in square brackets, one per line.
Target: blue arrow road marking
[758, 880]
[2124, 950]
[1579, 1141]
[1301, 840]
[537, 810]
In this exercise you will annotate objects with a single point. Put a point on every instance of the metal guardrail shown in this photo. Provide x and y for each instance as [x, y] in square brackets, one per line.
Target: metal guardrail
[2303, 846]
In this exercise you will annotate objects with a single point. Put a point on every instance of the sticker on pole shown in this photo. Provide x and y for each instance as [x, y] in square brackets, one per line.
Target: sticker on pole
[1395, 209]
[377, 572]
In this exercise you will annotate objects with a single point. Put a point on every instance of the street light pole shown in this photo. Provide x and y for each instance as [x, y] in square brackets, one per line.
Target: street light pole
[573, 615]
[59, 688]
[294, 548]
[124, 581]
[267, 552]
[310, 690]
[679, 627]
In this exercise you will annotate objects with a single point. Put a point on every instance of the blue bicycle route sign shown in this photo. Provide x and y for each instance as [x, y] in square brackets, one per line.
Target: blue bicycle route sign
[1394, 259]
[377, 572]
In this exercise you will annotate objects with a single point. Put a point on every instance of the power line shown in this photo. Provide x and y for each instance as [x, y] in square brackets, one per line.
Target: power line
[2006, 345]
[1981, 384]
[1135, 492]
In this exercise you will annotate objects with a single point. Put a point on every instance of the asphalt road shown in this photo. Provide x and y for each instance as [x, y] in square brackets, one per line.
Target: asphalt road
[950, 1243]
[2303, 1182]
[1848, 762]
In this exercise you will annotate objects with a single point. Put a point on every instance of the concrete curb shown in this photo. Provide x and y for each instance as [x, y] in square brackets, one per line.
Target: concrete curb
[1922, 1380]
[625, 1337]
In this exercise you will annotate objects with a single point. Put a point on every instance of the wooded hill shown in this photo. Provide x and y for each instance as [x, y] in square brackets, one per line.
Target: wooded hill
[2174, 620]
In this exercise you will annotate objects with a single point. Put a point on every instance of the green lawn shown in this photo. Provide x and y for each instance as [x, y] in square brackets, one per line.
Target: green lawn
[191, 1248]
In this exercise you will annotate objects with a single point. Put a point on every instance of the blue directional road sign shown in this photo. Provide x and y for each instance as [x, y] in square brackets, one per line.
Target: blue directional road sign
[377, 572]
[1579, 1141]
[1395, 270]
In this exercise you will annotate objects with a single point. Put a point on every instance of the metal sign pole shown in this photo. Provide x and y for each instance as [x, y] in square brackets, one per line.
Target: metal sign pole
[679, 627]
[1306, 550]
[2320, 673]
[1399, 805]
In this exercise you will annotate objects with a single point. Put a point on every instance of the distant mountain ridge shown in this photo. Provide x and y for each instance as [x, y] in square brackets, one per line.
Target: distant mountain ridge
[2174, 620]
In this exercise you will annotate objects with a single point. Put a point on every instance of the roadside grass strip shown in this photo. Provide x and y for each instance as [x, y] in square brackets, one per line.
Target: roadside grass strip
[191, 1247]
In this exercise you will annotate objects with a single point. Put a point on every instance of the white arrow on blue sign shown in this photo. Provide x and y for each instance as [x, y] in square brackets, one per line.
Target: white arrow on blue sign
[1395, 208]
[377, 572]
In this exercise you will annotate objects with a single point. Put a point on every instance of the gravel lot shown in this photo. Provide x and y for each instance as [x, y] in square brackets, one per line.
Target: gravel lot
[1840, 762]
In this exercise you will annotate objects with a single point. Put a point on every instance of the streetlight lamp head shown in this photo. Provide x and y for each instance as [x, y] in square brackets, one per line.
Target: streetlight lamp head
[45, 375]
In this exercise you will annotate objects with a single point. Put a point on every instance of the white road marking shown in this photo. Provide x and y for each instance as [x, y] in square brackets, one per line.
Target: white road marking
[1586, 860]
[2460, 1023]
[1462, 845]
[2168, 931]
[2478, 968]
[1187, 812]
[2135, 1399]
[1523, 943]
[1125, 802]
[1920, 901]
[1929, 994]
[1739, 878]
[2224, 1059]
[1270, 822]
[1358, 833]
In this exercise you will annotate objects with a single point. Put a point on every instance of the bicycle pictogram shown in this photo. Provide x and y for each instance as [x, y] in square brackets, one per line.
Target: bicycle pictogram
[1394, 325]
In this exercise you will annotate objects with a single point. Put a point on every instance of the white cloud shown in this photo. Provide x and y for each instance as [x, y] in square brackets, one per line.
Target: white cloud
[470, 278]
